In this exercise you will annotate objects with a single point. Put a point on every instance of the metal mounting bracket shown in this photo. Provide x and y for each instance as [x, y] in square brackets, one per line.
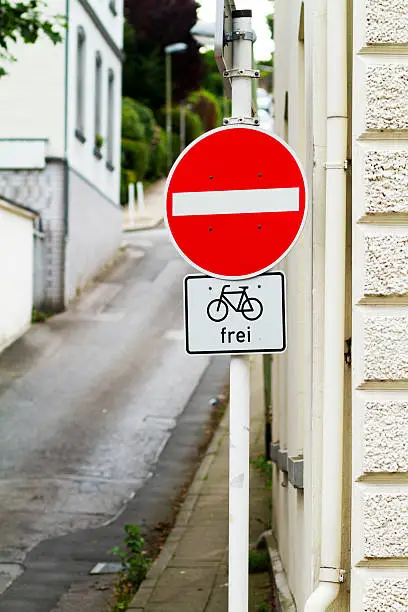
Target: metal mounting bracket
[332, 574]
[239, 35]
[334, 166]
[241, 72]
[241, 121]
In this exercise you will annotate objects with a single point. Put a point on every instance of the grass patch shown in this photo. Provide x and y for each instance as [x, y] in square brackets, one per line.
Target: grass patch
[258, 561]
[265, 467]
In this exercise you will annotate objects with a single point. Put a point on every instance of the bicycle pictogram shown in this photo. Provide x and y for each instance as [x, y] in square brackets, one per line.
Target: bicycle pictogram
[250, 307]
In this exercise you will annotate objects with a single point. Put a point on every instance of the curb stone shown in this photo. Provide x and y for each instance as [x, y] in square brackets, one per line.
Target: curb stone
[147, 587]
[146, 226]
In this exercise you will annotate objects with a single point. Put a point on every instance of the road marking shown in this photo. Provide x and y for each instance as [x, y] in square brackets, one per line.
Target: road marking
[235, 202]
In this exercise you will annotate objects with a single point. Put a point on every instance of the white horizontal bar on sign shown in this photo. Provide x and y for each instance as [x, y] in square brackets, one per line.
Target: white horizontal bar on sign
[236, 202]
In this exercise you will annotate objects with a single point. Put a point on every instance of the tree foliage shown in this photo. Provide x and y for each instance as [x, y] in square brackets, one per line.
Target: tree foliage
[26, 21]
[151, 25]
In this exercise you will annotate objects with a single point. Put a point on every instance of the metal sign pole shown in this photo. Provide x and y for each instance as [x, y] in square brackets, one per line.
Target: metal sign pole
[239, 370]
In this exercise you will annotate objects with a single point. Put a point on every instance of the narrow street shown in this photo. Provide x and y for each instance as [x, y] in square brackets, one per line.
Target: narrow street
[88, 402]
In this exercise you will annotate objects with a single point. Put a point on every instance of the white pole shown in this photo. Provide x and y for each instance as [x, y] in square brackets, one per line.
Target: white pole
[140, 197]
[239, 380]
[182, 126]
[239, 485]
[169, 87]
[131, 202]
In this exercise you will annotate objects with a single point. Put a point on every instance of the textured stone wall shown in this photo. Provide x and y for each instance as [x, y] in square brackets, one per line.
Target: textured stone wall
[379, 573]
[385, 436]
[387, 101]
[386, 595]
[387, 22]
[386, 265]
[386, 181]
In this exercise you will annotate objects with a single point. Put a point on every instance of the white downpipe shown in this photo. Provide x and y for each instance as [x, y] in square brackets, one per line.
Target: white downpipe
[335, 249]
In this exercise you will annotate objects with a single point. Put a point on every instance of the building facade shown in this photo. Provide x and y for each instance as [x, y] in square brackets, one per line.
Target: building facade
[356, 101]
[60, 125]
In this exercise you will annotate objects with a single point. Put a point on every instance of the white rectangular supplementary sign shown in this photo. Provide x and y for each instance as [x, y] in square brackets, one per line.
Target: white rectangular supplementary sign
[237, 201]
[235, 317]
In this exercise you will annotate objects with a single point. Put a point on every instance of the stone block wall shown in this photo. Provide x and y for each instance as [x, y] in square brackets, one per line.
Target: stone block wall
[379, 574]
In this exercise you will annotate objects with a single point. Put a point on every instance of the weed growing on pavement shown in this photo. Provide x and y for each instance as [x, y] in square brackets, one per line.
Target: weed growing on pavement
[262, 607]
[135, 566]
[264, 466]
[38, 316]
[258, 561]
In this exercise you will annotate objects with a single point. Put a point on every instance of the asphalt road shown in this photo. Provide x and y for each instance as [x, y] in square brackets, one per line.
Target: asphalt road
[101, 414]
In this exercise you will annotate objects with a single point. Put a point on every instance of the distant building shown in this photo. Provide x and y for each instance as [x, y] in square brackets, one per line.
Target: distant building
[364, 174]
[60, 125]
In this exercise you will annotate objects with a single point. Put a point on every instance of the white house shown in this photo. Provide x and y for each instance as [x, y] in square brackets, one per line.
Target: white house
[60, 125]
[339, 416]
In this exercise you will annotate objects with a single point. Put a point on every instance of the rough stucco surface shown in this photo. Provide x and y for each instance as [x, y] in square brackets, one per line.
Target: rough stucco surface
[386, 437]
[387, 22]
[386, 181]
[386, 595]
[386, 265]
[387, 100]
[385, 525]
[386, 348]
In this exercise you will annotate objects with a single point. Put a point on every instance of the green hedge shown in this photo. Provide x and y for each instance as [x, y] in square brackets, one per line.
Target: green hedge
[207, 106]
[132, 125]
[158, 159]
[143, 146]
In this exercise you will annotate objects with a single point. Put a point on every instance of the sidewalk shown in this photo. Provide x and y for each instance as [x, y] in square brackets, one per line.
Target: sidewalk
[190, 575]
[153, 214]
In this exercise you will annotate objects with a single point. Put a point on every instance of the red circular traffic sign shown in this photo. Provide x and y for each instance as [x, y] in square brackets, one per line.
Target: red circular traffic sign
[236, 202]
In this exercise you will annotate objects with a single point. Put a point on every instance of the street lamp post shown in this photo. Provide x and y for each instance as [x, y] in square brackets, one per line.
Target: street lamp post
[174, 48]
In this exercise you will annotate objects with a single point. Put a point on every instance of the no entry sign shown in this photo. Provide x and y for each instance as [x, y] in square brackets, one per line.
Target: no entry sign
[236, 202]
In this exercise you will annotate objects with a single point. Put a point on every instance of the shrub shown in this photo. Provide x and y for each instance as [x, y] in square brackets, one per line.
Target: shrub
[206, 106]
[194, 126]
[158, 157]
[135, 157]
[147, 118]
[132, 126]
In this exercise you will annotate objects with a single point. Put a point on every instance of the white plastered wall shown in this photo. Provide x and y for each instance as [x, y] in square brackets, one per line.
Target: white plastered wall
[81, 154]
[293, 509]
[32, 99]
[16, 272]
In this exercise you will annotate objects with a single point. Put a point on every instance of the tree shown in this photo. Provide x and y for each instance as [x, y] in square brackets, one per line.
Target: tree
[25, 20]
[151, 25]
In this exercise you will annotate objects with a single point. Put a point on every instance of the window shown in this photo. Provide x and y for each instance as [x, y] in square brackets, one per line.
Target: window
[80, 84]
[111, 119]
[98, 106]
[112, 7]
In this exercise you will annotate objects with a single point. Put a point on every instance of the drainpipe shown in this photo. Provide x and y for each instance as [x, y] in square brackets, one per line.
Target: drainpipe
[331, 574]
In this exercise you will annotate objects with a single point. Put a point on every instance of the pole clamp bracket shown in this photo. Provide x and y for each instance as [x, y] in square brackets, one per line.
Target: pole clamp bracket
[334, 166]
[239, 35]
[241, 72]
[332, 574]
[241, 121]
